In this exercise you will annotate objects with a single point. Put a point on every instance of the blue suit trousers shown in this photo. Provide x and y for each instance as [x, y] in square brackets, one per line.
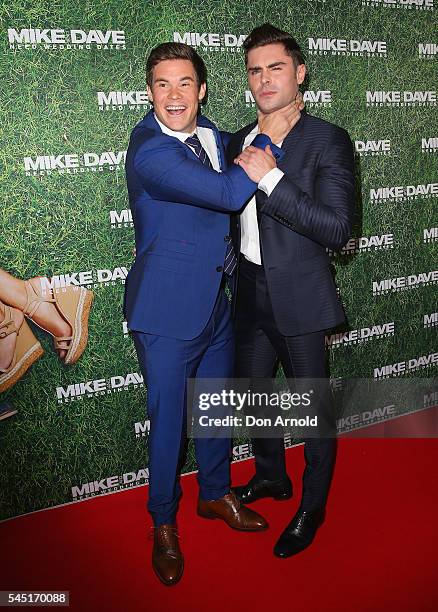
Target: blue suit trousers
[166, 364]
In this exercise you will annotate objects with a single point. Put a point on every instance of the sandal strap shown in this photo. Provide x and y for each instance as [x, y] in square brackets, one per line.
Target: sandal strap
[7, 326]
[34, 300]
[58, 339]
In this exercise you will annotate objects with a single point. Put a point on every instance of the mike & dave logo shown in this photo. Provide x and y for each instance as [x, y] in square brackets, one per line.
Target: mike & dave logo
[419, 5]
[358, 336]
[73, 163]
[142, 428]
[89, 278]
[430, 234]
[348, 47]
[400, 98]
[430, 400]
[101, 386]
[121, 219]
[372, 147]
[405, 367]
[208, 41]
[123, 100]
[59, 39]
[401, 193]
[365, 418]
[429, 145]
[427, 50]
[242, 451]
[110, 484]
[312, 99]
[402, 283]
[364, 244]
[430, 320]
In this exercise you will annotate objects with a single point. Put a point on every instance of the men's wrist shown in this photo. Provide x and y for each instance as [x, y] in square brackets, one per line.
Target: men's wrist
[262, 141]
[270, 180]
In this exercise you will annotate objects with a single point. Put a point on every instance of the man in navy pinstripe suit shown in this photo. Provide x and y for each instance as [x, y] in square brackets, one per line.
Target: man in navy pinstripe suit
[286, 297]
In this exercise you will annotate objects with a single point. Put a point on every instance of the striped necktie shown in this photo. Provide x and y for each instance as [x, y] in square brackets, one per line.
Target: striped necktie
[194, 143]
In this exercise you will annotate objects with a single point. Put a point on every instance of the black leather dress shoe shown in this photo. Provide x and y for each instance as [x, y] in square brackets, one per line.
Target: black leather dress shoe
[257, 489]
[299, 534]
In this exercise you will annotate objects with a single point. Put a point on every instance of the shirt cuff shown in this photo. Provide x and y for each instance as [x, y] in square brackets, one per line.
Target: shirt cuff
[270, 180]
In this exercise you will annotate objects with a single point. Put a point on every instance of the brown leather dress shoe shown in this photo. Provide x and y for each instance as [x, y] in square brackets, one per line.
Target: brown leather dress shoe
[167, 558]
[233, 512]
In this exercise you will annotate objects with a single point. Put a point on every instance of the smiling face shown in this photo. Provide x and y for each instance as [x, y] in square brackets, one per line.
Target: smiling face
[175, 94]
[273, 77]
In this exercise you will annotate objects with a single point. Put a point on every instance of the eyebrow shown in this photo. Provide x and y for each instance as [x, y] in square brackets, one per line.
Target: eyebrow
[273, 65]
[185, 78]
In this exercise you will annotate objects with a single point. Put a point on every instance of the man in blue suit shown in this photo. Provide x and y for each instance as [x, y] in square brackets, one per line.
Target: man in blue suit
[286, 297]
[180, 195]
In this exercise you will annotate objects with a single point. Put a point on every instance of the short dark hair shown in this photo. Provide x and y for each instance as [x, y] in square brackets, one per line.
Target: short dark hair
[268, 34]
[175, 50]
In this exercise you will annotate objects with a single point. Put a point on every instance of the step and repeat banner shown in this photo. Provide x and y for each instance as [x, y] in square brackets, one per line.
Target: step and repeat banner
[73, 87]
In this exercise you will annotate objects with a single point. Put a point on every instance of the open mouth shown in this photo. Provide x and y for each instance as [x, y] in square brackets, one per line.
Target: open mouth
[175, 110]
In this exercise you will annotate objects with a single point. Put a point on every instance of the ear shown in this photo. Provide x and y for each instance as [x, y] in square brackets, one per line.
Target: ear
[301, 73]
[202, 91]
[149, 92]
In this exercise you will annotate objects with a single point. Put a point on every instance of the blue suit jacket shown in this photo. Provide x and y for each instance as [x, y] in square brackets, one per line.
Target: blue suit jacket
[310, 209]
[179, 208]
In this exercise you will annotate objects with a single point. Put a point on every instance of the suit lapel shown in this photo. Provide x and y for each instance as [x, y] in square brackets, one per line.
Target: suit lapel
[220, 150]
[204, 122]
[292, 139]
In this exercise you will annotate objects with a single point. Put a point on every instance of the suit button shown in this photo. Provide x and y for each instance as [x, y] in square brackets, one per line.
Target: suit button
[227, 238]
[219, 269]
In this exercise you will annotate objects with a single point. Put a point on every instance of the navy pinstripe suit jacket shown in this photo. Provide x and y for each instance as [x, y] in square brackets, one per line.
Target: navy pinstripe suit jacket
[311, 209]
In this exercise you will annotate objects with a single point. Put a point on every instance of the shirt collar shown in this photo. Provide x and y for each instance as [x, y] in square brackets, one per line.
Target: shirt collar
[182, 136]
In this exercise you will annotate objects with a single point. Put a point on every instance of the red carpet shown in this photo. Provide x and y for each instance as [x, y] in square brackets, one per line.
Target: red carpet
[377, 550]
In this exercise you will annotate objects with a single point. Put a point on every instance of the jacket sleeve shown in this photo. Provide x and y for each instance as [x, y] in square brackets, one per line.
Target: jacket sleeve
[168, 173]
[327, 217]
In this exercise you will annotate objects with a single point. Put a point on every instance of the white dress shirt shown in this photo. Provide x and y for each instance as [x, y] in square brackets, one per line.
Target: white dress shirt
[205, 136]
[249, 229]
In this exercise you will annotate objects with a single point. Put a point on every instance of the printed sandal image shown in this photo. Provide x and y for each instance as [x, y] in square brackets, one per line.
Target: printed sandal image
[73, 304]
[27, 350]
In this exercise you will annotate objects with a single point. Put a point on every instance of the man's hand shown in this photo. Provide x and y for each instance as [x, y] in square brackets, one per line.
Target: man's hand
[278, 124]
[256, 162]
